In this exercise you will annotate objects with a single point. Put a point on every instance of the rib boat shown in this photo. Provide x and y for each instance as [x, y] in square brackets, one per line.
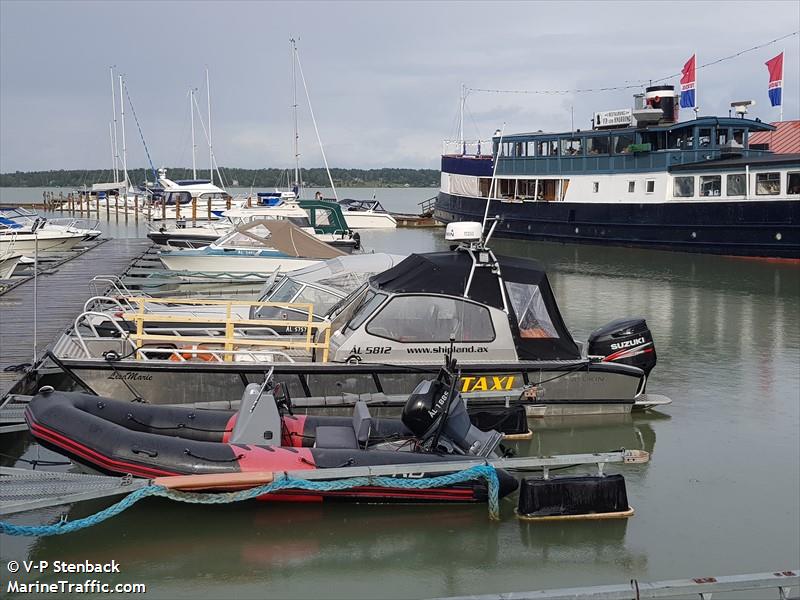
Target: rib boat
[118, 437]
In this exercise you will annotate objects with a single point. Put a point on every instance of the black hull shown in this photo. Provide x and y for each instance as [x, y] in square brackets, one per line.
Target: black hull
[750, 228]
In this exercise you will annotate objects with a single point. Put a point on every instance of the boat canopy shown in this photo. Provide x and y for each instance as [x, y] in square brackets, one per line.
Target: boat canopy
[281, 235]
[348, 272]
[537, 327]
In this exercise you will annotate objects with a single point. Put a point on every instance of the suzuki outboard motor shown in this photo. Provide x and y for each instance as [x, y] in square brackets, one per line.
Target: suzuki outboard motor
[626, 341]
[424, 411]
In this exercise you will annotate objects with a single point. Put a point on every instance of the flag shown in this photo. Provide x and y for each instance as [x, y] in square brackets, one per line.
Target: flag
[775, 66]
[688, 81]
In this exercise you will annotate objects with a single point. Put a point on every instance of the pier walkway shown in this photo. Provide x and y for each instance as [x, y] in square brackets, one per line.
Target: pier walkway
[61, 294]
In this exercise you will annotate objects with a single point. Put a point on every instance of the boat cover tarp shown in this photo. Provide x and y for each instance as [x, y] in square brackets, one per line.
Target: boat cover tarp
[293, 241]
[448, 272]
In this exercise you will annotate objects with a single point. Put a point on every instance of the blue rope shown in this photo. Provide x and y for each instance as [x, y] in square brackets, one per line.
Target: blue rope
[284, 483]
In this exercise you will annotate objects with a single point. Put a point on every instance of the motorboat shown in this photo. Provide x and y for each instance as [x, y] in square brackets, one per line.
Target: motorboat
[117, 437]
[177, 198]
[30, 220]
[322, 220]
[497, 314]
[8, 262]
[366, 214]
[36, 238]
[258, 246]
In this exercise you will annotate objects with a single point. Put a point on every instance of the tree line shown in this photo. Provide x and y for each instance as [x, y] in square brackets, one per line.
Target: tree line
[233, 177]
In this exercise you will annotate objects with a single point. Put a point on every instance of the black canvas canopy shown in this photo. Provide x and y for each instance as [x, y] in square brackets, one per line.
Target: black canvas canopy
[536, 324]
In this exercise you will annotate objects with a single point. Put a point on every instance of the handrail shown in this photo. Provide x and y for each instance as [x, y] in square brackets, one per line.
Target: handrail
[103, 316]
[229, 322]
[99, 300]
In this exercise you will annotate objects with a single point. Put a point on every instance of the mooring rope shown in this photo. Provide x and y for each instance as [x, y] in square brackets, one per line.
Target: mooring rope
[486, 472]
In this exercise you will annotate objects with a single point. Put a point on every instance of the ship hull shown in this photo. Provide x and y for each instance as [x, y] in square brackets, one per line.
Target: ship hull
[745, 228]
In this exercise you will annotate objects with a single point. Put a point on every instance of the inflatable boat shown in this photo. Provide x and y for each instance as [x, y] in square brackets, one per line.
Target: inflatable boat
[118, 437]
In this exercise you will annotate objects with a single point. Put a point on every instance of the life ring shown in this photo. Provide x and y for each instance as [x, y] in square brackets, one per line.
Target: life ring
[193, 354]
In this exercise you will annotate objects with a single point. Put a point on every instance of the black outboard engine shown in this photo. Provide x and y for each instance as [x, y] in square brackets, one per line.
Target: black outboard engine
[423, 414]
[626, 341]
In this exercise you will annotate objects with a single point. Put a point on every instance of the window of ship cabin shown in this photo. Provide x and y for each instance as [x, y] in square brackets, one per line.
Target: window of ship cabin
[485, 186]
[571, 147]
[768, 184]
[736, 184]
[520, 149]
[680, 140]
[597, 145]
[529, 307]
[621, 143]
[547, 148]
[793, 183]
[683, 187]
[650, 186]
[595, 186]
[722, 136]
[738, 137]
[631, 187]
[711, 185]
[432, 319]
[656, 139]
[704, 137]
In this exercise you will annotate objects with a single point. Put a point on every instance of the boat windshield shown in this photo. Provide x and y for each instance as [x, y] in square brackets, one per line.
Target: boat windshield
[372, 300]
[529, 307]
[321, 300]
[286, 291]
[252, 237]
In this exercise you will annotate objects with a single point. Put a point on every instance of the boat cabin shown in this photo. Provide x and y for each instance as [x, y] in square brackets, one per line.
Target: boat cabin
[412, 312]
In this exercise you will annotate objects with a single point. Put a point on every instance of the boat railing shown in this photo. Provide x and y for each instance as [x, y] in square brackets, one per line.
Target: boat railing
[90, 319]
[104, 304]
[232, 332]
[466, 147]
[114, 285]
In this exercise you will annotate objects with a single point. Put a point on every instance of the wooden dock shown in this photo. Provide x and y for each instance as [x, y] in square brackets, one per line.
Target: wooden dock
[62, 291]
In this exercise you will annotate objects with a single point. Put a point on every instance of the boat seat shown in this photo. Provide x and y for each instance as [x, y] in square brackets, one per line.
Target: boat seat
[354, 437]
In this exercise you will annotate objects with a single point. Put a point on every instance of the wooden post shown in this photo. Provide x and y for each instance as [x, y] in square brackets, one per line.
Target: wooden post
[136, 206]
[125, 205]
[164, 208]
[194, 211]
[209, 209]
[69, 199]
[80, 206]
[116, 205]
[249, 202]
[227, 203]
[177, 209]
[97, 204]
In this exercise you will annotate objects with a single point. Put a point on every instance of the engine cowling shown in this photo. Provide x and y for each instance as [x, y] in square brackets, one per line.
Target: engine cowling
[626, 341]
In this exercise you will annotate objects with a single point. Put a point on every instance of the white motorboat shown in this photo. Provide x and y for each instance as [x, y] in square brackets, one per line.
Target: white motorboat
[178, 197]
[30, 220]
[366, 214]
[36, 239]
[9, 262]
[256, 247]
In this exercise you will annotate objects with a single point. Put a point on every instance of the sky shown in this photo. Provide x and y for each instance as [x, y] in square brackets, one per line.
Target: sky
[384, 78]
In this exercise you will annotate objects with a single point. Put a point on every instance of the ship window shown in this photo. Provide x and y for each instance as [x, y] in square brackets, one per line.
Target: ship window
[722, 136]
[321, 217]
[631, 187]
[571, 147]
[595, 186]
[704, 136]
[738, 137]
[547, 148]
[432, 319]
[529, 307]
[621, 143]
[520, 149]
[598, 145]
[367, 306]
[650, 186]
[768, 184]
[684, 187]
[736, 184]
[711, 185]
[793, 183]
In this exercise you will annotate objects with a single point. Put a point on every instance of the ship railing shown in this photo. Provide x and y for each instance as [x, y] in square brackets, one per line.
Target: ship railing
[232, 330]
[467, 147]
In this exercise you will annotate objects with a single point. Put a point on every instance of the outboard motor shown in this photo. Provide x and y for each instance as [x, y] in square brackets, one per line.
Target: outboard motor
[423, 414]
[626, 341]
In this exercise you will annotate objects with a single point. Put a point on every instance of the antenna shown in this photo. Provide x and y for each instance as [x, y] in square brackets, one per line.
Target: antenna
[210, 146]
[115, 151]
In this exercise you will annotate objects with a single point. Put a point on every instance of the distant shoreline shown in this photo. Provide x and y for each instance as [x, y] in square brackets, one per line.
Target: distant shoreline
[259, 178]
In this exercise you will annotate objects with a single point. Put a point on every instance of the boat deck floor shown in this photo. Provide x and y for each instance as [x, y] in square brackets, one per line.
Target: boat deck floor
[62, 291]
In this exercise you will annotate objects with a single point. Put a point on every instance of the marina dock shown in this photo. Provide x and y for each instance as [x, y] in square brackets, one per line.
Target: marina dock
[62, 288]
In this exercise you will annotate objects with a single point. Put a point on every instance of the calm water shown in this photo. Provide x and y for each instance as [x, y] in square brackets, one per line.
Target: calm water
[720, 495]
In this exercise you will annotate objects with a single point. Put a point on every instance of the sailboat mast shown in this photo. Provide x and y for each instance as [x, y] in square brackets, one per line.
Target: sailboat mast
[115, 152]
[124, 147]
[461, 118]
[194, 145]
[210, 146]
[294, 111]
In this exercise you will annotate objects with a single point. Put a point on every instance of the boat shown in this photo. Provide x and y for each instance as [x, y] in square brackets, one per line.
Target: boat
[497, 314]
[323, 220]
[36, 238]
[8, 262]
[639, 178]
[116, 437]
[30, 220]
[366, 214]
[258, 246]
[177, 198]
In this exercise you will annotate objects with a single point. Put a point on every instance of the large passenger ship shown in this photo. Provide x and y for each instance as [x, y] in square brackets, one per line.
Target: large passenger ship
[639, 177]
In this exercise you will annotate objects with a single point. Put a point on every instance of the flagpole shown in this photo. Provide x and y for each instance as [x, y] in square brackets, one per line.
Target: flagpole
[696, 89]
[783, 85]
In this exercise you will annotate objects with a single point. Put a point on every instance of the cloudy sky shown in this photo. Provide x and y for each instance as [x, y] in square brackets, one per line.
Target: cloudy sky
[384, 77]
